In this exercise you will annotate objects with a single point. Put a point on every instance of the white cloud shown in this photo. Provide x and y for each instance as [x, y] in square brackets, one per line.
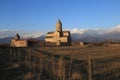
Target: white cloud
[11, 33]
[32, 35]
[80, 31]
[88, 31]
[7, 33]
[95, 30]
[114, 29]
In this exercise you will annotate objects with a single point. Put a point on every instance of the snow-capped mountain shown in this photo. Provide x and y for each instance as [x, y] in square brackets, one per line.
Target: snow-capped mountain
[97, 34]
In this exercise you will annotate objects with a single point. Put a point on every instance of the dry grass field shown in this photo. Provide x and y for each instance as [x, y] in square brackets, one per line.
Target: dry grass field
[60, 63]
[105, 61]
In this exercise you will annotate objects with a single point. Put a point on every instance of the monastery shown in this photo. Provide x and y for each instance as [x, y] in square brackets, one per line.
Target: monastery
[17, 42]
[59, 36]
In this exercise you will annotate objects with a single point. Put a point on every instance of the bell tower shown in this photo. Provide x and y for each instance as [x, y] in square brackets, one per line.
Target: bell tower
[59, 26]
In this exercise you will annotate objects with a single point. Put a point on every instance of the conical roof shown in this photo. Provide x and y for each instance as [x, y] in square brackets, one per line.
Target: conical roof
[59, 21]
[17, 36]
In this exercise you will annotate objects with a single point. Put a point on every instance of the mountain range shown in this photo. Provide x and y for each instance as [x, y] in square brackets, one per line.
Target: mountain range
[86, 35]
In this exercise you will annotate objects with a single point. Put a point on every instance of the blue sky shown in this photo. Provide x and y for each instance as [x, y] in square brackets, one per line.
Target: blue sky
[41, 15]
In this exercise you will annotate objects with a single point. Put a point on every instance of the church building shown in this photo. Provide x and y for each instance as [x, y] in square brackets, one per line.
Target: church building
[17, 42]
[59, 36]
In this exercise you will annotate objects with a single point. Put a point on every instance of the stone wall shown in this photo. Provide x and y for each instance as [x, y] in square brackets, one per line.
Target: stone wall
[19, 43]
